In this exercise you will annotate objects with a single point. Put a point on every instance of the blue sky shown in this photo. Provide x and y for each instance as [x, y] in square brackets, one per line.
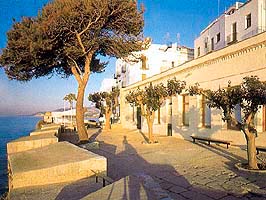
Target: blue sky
[164, 20]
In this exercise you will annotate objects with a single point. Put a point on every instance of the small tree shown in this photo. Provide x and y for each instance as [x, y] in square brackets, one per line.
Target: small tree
[70, 98]
[249, 95]
[106, 102]
[151, 98]
[66, 38]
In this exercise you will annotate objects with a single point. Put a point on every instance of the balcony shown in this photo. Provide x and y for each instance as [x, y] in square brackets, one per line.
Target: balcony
[231, 39]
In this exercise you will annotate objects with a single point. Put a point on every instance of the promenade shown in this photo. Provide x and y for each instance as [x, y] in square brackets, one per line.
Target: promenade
[184, 169]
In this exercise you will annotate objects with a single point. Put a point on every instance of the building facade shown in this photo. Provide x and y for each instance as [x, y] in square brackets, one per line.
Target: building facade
[184, 115]
[156, 59]
[239, 22]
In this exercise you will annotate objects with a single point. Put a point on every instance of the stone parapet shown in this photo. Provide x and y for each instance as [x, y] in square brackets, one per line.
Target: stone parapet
[50, 131]
[30, 142]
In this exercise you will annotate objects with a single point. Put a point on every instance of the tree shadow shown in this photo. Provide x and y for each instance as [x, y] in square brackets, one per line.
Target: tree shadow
[128, 162]
[256, 179]
[93, 137]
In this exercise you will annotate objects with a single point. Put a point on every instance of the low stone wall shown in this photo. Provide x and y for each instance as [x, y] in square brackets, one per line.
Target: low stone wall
[51, 131]
[55, 163]
[30, 142]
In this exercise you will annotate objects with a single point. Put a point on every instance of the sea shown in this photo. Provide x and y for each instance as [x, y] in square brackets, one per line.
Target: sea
[11, 128]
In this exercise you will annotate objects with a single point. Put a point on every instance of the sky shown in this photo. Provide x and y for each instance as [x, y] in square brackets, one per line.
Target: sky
[165, 21]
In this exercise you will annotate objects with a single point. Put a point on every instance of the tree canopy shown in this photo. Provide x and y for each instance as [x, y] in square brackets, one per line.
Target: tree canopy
[68, 37]
[66, 31]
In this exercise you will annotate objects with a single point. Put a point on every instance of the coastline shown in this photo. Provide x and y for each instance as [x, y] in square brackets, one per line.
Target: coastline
[11, 128]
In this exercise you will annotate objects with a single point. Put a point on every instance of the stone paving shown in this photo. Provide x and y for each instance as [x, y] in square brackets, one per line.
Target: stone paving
[184, 169]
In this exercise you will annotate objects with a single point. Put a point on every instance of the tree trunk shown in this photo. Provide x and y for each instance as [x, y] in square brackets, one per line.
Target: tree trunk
[108, 113]
[150, 119]
[251, 151]
[82, 132]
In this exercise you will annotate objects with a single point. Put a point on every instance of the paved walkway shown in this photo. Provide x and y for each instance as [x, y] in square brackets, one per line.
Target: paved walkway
[184, 169]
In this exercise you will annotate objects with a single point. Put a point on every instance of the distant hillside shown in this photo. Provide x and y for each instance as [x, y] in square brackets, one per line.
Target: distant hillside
[91, 111]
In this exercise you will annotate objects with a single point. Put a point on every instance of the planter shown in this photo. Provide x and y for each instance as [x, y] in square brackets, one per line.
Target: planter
[243, 167]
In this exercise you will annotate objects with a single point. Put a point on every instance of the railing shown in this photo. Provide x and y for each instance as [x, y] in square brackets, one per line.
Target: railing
[232, 38]
[105, 179]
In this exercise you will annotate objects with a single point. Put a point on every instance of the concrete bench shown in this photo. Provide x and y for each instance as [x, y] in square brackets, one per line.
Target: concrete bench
[55, 163]
[209, 140]
[260, 149]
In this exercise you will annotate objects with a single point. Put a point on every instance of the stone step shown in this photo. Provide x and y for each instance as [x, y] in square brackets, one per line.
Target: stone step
[30, 142]
[56, 163]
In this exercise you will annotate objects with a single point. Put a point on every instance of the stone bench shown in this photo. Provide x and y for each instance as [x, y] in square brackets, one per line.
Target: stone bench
[56, 163]
[260, 148]
[209, 140]
[30, 142]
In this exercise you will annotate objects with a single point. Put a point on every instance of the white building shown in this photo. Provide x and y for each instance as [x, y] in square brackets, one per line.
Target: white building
[239, 22]
[107, 85]
[156, 59]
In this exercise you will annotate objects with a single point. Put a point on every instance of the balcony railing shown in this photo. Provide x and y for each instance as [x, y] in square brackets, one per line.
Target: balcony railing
[232, 38]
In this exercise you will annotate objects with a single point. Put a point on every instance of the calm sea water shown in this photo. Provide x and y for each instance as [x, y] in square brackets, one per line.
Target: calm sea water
[12, 127]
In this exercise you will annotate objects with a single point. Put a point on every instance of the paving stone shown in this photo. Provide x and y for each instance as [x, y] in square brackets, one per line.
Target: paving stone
[176, 196]
[230, 197]
[166, 185]
[209, 192]
[180, 181]
[195, 195]
[203, 181]
[176, 189]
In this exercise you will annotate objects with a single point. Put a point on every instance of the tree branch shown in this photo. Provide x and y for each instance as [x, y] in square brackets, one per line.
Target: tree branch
[76, 65]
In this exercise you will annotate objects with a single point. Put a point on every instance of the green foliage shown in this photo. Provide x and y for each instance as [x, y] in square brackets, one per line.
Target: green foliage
[175, 86]
[70, 98]
[152, 97]
[66, 32]
[105, 100]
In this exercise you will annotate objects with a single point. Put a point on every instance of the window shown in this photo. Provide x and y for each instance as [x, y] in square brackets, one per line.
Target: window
[206, 45]
[185, 110]
[218, 37]
[264, 118]
[205, 113]
[248, 21]
[236, 115]
[144, 62]
[198, 51]
[234, 33]
[143, 77]
[212, 44]
[159, 115]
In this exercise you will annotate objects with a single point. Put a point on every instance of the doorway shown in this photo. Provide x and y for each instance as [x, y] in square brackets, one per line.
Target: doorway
[138, 118]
